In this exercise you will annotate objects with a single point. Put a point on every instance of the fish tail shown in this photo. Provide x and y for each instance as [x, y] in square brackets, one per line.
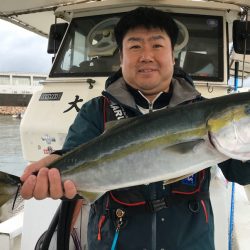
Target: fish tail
[8, 187]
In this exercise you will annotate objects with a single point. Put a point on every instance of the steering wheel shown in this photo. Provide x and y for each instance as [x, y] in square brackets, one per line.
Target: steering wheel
[101, 40]
[182, 39]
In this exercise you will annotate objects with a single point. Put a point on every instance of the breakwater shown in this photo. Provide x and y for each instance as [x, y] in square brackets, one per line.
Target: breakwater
[11, 110]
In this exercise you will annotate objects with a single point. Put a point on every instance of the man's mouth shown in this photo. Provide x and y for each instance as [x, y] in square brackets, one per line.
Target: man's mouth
[146, 70]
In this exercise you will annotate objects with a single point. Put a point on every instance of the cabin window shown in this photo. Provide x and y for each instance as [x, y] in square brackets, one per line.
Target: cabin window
[89, 47]
[202, 55]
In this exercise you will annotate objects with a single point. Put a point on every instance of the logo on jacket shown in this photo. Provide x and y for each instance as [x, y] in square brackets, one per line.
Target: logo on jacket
[118, 111]
[190, 180]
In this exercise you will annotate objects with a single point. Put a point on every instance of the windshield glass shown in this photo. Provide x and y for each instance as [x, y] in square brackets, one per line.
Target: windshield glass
[89, 48]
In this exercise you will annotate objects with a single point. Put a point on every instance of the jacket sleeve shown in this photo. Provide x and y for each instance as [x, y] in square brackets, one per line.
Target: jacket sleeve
[236, 171]
[87, 125]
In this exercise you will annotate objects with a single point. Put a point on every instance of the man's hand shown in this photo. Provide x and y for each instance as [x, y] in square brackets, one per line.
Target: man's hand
[47, 182]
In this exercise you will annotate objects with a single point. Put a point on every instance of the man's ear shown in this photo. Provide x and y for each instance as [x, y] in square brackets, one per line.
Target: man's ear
[173, 57]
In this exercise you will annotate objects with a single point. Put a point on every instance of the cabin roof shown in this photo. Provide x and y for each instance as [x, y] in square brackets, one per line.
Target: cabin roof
[37, 16]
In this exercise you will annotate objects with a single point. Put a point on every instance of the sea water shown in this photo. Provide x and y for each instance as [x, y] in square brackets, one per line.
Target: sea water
[11, 158]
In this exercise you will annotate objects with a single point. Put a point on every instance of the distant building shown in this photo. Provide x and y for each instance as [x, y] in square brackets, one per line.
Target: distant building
[16, 89]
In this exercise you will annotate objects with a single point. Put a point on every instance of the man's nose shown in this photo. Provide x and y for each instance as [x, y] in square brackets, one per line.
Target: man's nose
[147, 55]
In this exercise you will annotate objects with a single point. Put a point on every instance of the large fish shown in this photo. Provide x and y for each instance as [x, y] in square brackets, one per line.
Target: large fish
[164, 145]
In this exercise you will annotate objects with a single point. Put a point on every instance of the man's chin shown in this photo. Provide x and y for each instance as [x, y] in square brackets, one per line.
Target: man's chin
[148, 85]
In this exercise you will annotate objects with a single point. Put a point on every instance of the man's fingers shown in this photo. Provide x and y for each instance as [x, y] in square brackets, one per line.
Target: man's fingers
[36, 166]
[42, 185]
[28, 187]
[55, 189]
[47, 183]
[69, 189]
[33, 167]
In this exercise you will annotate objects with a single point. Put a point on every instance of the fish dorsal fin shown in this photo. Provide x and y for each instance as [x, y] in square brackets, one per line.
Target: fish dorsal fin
[112, 124]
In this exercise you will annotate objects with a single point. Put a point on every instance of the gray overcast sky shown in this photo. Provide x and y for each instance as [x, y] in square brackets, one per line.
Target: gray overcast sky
[22, 50]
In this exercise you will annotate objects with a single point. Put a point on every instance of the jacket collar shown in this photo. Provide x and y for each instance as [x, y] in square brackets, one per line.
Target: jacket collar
[182, 92]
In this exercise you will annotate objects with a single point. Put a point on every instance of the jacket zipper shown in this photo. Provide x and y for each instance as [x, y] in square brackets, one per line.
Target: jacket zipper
[150, 107]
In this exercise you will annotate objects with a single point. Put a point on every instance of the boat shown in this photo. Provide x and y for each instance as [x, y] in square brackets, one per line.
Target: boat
[83, 59]
[16, 89]
[17, 116]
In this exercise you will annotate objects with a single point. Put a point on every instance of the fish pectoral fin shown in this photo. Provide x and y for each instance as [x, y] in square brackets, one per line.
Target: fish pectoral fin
[90, 197]
[185, 147]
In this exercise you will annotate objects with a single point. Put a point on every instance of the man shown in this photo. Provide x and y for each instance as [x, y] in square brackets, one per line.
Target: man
[152, 216]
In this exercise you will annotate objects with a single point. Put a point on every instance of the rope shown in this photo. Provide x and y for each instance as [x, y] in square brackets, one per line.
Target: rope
[231, 222]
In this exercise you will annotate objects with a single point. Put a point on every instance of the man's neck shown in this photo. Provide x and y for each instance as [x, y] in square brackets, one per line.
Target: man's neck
[160, 100]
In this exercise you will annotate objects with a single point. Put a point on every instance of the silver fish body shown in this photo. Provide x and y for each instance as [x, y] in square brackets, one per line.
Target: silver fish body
[164, 145]
[161, 146]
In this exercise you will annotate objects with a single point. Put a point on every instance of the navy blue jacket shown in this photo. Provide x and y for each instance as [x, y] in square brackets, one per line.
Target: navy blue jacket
[156, 216]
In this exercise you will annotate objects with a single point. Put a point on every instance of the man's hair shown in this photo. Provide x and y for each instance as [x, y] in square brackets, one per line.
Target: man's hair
[148, 18]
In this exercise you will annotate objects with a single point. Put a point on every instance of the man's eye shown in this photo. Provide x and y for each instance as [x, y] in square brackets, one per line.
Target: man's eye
[135, 47]
[157, 46]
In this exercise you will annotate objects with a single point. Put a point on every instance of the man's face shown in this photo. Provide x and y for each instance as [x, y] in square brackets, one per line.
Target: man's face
[147, 60]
